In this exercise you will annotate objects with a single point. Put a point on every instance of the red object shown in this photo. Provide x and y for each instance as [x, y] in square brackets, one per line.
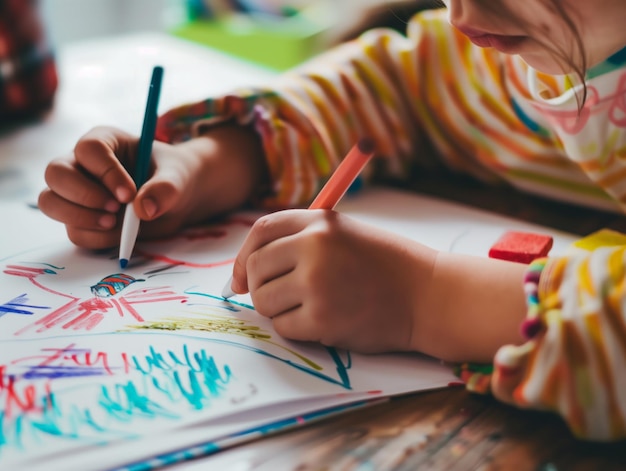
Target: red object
[28, 75]
[522, 247]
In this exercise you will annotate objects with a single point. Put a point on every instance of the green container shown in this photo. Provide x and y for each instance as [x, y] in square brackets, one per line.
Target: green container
[275, 43]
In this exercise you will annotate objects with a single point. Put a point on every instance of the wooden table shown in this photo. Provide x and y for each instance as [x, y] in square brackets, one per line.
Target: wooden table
[447, 429]
[438, 430]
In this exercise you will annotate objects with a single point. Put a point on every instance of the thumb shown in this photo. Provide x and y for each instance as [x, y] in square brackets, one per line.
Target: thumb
[167, 190]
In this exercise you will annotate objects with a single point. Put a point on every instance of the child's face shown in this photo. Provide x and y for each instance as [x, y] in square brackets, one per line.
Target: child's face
[600, 24]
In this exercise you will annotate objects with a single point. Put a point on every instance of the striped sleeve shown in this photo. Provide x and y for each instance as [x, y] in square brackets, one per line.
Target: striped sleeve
[574, 361]
[432, 84]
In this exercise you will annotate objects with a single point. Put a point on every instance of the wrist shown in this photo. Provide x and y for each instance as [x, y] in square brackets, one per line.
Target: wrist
[230, 169]
[470, 307]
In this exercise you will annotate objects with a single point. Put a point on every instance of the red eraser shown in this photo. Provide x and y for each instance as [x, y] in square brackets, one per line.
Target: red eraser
[522, 247]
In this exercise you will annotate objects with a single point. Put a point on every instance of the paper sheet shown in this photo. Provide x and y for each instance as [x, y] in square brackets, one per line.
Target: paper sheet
[100, 365]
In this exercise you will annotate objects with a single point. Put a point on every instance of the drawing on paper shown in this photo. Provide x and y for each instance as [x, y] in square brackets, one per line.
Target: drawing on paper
[113, 284]
[92, 356]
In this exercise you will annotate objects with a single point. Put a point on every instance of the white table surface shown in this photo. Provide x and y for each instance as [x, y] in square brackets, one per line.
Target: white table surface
[105, 82]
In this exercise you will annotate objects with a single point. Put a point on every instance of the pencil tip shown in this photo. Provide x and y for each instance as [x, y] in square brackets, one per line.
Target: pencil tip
[123, 263]
[227, 291]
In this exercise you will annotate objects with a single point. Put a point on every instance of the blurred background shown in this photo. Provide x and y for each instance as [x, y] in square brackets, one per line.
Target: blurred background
[72, 20]
[70, 65]
[274, 33]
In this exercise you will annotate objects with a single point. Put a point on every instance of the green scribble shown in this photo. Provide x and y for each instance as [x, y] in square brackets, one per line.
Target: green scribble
[219, 325]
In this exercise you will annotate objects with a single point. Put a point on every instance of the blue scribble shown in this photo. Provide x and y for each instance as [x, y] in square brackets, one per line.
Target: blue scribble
[123, 402]
[56, 372]
[19, 305]
[220, 298]
[342, 368]
[160, 385]
[204, 378]
[59, 363]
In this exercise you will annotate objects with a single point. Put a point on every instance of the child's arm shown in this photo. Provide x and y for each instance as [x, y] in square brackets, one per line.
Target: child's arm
[324, 277]
[190, 182]
[378, 86]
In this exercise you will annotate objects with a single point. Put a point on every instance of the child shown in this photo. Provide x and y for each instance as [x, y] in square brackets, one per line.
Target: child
[530, 94]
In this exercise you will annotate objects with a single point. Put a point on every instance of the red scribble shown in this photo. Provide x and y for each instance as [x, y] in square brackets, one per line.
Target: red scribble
[196, 234]
[126, 363]
[23, 398]
[17, 270]
[19, 393]
[201, 233]
[155, 294]
[67, 356]
[31, 273]
[87, 314]
[75, 315]
[172, 261]
[91, 359]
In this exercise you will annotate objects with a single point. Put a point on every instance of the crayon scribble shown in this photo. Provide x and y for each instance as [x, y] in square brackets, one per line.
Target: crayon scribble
[113, 284]
[31, 272]
[106, 387]
[19, 305]
[191, 235]
[86, 314]
[233, 326]
[219, 298]
[158, 384]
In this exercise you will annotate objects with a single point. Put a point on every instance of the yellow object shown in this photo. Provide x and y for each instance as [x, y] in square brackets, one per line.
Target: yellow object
[601, 238]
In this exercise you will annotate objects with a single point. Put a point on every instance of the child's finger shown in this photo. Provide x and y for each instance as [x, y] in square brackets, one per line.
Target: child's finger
[75, 215]
[99, 152]
[276, 297]
[265, 230]
[73, 185]
[271, 261]
[296, 325]
[164, 190]
[94, 240]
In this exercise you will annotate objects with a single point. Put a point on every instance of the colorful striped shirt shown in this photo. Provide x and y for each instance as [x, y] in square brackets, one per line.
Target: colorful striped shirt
[489, 115]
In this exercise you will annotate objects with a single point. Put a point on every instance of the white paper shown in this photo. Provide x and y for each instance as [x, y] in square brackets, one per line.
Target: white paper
[99, 365]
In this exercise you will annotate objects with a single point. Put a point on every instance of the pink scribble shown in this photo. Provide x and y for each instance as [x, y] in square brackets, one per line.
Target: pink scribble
[87, 314]
[617, 112]
[572, 121]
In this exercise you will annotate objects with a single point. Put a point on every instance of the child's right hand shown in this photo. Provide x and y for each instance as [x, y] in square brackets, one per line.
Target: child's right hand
[189, 182]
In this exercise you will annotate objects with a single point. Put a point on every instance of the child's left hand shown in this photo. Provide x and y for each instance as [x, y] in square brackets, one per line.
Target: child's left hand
[321, 276]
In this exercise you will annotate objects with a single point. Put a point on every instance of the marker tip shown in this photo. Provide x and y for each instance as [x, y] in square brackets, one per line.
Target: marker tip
[123, 262]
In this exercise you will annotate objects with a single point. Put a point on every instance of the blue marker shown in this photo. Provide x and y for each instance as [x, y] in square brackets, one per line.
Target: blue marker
[130, 225]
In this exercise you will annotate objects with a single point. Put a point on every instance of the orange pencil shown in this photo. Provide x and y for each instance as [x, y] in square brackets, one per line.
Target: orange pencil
[336, 186]
[346, 173]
